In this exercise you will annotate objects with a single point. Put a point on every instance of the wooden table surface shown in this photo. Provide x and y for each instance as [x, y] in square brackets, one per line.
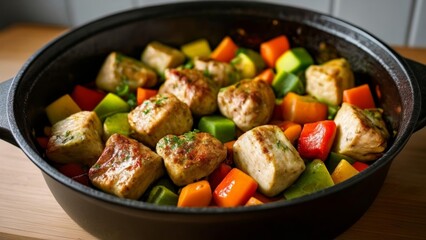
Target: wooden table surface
[29, 211]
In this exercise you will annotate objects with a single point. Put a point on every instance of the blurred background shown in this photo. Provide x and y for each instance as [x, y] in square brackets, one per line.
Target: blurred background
[397, 22]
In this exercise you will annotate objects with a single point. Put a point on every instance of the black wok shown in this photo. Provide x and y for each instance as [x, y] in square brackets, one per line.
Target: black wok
[76, 57]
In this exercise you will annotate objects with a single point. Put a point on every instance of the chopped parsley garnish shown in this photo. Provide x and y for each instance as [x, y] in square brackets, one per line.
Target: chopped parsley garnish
[281, 146]
[178, 141]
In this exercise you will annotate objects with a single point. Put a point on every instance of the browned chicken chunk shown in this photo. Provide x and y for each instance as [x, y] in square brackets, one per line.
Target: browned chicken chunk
[267, 155]
[191, 156]
[126, 168]
[361, 134]
[158, 116]
[119, 70]
[76, 139]
[326, 82]
[249, 103]
[193, 88]
[224, 74]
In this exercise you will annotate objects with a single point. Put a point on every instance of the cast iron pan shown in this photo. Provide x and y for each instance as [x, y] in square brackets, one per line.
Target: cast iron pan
[76, 57]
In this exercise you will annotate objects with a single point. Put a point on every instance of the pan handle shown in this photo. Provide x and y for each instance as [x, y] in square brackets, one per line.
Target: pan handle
[419, 71]
[5, 133]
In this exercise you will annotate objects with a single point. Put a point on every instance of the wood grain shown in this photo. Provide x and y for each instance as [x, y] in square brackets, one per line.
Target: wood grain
[29, 211]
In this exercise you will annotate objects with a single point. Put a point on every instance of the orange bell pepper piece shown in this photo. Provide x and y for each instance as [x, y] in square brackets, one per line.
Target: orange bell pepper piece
[225, 51]
[197, 194]
[266, 75]
[143, 94]
[235, 189]
[291, 130]
[272, 49]
[359, 96]
[303, 109]
[253, 201]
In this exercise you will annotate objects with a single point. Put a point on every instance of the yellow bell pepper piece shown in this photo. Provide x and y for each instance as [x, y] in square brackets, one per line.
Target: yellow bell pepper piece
[343, 171]
[61, 108]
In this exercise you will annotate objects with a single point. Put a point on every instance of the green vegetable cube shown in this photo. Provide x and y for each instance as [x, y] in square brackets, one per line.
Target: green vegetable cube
[285, 82]
[116, 123]
[334, 158]
[110, 105]
[294, 61]
[197, 48]
[220, 127]
[315, 177]
[161, 195]
[248, 62]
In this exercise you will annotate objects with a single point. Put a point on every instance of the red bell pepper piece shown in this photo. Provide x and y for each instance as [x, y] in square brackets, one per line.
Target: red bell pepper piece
[360, 166]
[218, 175]
[316, 139]
[86, 98]
[75, 171]
[42, 141]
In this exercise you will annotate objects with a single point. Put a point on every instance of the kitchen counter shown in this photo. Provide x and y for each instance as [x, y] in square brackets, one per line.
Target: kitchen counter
[29, 211]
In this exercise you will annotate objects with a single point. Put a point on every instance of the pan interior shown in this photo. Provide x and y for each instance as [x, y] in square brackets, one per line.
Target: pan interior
[76, 57]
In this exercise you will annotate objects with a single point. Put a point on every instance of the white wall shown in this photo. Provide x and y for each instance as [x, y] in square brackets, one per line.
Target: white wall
[397, 22]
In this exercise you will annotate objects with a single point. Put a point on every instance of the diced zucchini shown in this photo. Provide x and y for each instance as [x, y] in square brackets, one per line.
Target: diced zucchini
[220, 127]
[315, 177]
[294, 61]
[248, 62]
[197, 48]
[285, 82]
[120, 71]
[160, 57]
[116, 123]
[110, 105]
[61, 108]
[161, 195]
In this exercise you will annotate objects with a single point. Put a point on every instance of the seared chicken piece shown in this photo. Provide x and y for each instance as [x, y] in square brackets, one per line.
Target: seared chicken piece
[224, 74]
[326, 82]
[268, 156]
[193, 88]
[119, 70]
[249, 103]
[158, 116]
[160, 57]
[361, 134]
[126, 167]
[76, 139]
[191, 156]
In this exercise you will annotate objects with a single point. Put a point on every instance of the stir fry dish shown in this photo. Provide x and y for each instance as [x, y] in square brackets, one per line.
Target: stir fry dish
[195, 126]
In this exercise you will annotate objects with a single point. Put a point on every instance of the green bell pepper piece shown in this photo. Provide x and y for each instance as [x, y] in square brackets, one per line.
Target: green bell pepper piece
[315, 177]
[285, 82]
[248, 62]
[110, 105]
[116, 123]
[334, 159]
[161, 195]
[294, 61]
[220, 127]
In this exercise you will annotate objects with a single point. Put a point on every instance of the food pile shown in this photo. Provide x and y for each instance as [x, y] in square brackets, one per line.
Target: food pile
[189, 126]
